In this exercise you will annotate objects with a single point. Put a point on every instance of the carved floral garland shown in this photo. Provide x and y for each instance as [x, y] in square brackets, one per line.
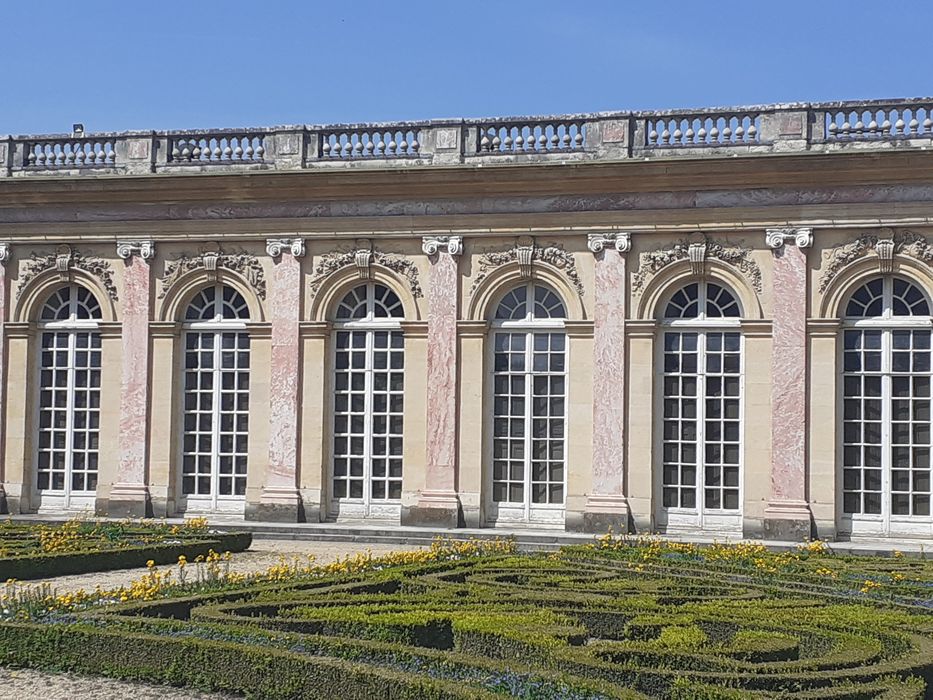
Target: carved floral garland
[243, 263]
[553, 255]
[737, 256]
[97, 267]
[331, 262]
[906, 243]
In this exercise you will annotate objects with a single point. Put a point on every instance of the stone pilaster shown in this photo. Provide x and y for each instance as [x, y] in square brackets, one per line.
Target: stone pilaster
[787, 516]
[4, 259]
[606, 504]
[280, 499]
[129, 495]
[438, 504]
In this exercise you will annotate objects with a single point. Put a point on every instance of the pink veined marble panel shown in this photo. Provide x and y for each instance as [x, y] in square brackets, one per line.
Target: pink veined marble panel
[134, 394]
[789, 383]
[284, 304]
[3, 320]
[442, 375]
[609, 374]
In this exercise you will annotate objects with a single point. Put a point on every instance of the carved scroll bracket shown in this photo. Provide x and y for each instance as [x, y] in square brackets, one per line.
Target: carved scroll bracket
[144, 249]
[432, 245]
[776, 238]
[275, 247]
[620, 240]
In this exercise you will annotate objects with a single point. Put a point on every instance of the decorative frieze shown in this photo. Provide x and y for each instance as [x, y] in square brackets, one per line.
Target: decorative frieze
[210, 261]
[526, 253]
[697, 251]
[778, 237]
[276, 246]
[64, 259]
[886, 246]
[144, 249]
[598, 242]
[363, 258]
[432, 245]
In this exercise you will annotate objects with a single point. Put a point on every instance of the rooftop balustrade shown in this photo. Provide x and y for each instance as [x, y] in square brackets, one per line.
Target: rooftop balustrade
[786, 128]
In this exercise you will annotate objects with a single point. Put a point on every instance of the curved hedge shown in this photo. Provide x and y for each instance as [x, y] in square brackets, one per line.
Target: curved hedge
[50, 564]
[581, 625]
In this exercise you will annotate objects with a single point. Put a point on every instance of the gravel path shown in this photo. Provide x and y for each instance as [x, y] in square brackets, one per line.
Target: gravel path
[262, 555]
[24, 683]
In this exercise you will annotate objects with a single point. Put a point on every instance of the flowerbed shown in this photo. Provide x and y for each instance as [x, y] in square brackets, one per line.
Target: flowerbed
[29, 551]
[616, 619]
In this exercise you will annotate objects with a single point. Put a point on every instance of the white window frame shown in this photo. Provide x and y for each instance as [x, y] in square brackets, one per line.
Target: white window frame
[214, 503]
[884, 524]
[346, 508]
[503, 514]
[65, 499]
[691, 520]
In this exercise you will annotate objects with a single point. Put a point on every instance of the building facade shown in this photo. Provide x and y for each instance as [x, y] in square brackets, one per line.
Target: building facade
[713, 322]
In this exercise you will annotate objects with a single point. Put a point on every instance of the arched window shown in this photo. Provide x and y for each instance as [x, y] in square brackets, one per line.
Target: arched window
[369, 383]
[886, 408]
[701, 450]
[215, 440]
[529, 407]
[69, 399]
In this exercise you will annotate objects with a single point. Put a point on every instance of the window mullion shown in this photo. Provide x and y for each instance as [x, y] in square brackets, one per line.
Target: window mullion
[69, 418]
[215, 419]
[368, 420]
[887, 447]
[701, 423]
[529, 417]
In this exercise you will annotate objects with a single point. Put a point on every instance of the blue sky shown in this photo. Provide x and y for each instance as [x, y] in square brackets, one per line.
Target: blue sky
[171, 64]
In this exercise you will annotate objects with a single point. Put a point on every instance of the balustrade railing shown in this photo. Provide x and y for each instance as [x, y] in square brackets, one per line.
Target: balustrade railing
[351, 144]
[531, 136]
[217, 148]
[879, 122]
[704, 130]
[69, 153]
[610, 136]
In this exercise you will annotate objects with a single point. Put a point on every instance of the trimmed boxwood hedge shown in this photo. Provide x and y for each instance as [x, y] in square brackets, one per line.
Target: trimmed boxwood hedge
[48, 565]
[534, 626]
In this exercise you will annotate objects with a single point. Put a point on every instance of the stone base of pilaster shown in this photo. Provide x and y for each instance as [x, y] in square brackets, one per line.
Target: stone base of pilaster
[276, 505]
[602, 514]
[127, 501]
[434, 509]
[787, 521]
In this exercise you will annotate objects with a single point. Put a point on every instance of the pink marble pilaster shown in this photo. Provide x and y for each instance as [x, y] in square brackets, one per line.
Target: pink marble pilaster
[129, 494]
[441, 441]
[788, 499]
[4, 258]
[281, 487]
[606, 504]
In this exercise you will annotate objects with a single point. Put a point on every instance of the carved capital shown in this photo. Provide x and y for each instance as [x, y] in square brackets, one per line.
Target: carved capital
[144, 249]
[432, 245]
[621, 241]
[778, 237]
[5, 250]
[276, 246]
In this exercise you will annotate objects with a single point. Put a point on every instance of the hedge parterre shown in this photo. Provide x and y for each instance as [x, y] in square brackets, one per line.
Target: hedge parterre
[612, 620]
[30, 550]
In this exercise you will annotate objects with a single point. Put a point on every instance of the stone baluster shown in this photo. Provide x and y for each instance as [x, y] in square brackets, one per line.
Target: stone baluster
[606, 504]
[438, 504]
[129, 495]
[280, 499]
[787, 516]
